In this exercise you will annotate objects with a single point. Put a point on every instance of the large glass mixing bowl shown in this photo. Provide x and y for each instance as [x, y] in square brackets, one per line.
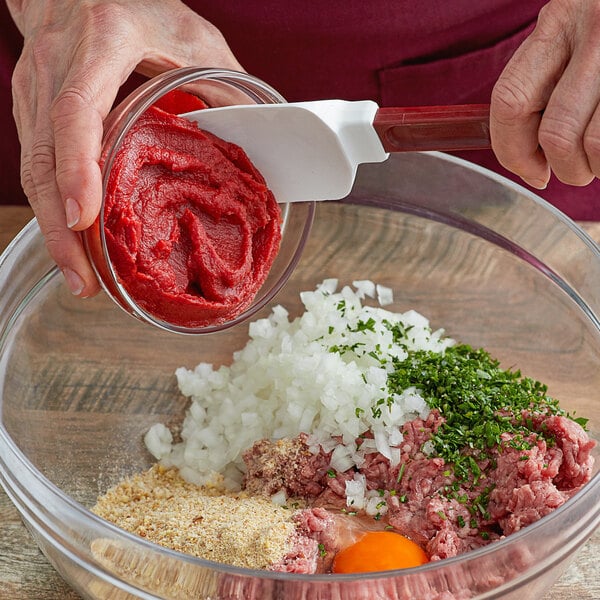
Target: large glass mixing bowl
[81, 382]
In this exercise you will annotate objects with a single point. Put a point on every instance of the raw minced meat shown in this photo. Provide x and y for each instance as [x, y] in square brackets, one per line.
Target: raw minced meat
[422, 496]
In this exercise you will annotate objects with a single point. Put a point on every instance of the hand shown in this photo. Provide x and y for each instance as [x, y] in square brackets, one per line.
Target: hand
[76, 55]
[545, 109]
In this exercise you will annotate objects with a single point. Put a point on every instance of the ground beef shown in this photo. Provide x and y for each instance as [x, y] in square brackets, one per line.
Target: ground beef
[576, 466]
[530, 483]
[521, 481]
[286, 464]
[315, 531]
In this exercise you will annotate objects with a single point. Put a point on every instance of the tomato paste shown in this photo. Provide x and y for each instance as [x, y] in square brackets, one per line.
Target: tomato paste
[191, 227]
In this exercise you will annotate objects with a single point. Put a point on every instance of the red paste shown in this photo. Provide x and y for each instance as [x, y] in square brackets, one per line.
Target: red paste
[191, 227]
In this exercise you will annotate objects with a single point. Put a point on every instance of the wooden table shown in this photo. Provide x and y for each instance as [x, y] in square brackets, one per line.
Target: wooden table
[26, 575]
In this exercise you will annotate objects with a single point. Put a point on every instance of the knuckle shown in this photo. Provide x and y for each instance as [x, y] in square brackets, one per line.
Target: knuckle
[54, 240]
[209, 39]
[510, 99]
[559, 139]
[546, 14]
[551, 19]
[591, 144]
[212, 33]
[27, 180]
[69, 101]
[41, 159]
[21, 79]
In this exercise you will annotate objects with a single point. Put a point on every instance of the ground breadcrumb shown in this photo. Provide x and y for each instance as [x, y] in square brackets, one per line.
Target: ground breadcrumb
[207, 522]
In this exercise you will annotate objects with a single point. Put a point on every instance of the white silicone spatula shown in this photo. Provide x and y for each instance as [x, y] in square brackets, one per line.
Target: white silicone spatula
[311, 150]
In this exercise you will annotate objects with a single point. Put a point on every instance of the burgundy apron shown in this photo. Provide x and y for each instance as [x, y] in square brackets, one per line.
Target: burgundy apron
[398, 53]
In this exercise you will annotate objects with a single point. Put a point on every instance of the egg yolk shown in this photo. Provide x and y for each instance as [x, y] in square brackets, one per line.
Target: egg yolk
[379, 551]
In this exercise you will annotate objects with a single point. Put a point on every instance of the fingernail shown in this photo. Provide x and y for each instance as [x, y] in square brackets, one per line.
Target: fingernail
[74, 282]
[72, 211]
[538, 184]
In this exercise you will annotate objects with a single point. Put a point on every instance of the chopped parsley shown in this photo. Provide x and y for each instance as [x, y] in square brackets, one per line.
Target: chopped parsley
[478, 400]
[401, 472]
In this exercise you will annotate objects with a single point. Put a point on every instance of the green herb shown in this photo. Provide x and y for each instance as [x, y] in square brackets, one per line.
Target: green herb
[322, 551]
[478, 400]
[581, 421]
[331, 474]
[401, 472]
[368, 325]
[399, 332]
[460, 520]
[343, 348]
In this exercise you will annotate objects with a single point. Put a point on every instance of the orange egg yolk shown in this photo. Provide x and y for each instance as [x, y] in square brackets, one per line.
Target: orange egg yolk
[379, 551]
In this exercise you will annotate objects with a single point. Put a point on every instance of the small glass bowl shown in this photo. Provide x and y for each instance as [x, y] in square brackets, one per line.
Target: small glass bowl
[215, 87]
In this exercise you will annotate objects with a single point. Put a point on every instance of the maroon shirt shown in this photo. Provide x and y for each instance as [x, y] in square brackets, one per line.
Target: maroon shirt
[397, 53]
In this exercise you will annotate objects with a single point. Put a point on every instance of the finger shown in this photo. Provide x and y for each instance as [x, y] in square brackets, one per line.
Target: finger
[97, 70]
[64, 245]
[518, 99]
[77, 117]
[568, 114]
[39, 183]
[66, 248]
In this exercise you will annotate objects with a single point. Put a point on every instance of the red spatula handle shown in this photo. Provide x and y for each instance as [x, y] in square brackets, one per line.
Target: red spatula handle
[443, 128]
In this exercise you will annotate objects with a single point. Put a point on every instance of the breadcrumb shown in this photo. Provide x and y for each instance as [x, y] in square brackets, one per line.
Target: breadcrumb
[208, 522]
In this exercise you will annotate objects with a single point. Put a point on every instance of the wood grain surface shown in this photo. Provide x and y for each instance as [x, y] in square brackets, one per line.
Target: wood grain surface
[25, 574]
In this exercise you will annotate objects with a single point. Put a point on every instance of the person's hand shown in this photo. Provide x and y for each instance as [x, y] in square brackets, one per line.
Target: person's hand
[545, 108]
[76, 55]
